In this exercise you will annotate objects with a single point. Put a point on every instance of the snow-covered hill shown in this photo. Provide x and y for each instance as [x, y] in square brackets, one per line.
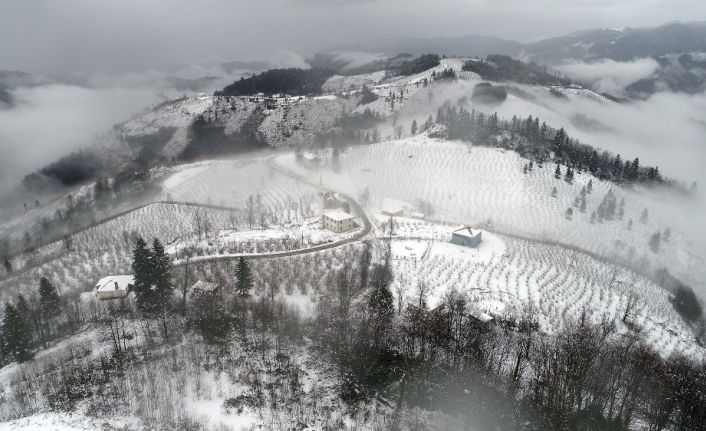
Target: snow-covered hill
[485, 186]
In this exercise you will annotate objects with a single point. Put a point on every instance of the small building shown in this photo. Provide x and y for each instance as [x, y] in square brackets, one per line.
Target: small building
[393, 207]
[337, 221]
[203, 287]
[114, 287]
[467, 236]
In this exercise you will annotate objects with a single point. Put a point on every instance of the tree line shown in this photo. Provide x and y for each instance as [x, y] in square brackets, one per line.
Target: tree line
[534, 139]
[503, 373]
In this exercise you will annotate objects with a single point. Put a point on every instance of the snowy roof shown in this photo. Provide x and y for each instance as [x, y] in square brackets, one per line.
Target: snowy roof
[467, 231]
[115, 282]
[205, 286]
[338, 215]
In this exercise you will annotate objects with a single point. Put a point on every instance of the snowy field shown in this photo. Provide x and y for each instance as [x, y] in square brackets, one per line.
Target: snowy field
[231, 183]
[487, 187]
[511, 278]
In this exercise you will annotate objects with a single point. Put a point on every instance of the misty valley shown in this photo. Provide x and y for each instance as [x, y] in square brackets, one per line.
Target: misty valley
[407, 234]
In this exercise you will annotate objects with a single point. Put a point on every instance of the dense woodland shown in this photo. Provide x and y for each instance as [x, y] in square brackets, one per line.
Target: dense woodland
[418, 65]
[504, 68]
[295, 82]
[537, 141]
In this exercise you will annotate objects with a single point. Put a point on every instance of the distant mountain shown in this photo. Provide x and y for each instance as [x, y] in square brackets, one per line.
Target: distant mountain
[685, 73]
[621, 44]
[616, 44]
[471, 45]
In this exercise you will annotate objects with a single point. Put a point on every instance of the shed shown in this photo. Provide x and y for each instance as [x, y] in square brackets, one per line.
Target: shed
[114, 287]
[202, 287]
[467, 236]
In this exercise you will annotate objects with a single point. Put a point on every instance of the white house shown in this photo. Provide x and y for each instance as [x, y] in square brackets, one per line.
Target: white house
[114, 287]
[337, 221]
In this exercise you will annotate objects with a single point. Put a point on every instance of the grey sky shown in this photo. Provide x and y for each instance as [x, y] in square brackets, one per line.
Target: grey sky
[84, 37]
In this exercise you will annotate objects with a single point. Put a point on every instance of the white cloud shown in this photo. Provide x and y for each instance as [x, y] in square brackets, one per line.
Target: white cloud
[609, 76]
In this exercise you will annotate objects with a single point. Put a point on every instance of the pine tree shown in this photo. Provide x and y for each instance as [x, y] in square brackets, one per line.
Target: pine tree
[655, 241]
[142, 272]
[414, 127]
[161, 273]
[7, 264]
[557, 172]
[48, 299]
[243, 277]
[558, 144]
[589, 187]
[17, 330]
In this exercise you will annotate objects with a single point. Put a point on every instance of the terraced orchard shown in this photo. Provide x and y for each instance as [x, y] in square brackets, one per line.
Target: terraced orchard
[511, 279]
[231, 183]
[488, 187]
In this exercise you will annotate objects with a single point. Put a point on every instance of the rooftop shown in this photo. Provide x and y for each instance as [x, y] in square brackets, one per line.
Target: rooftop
[115, 282]
[338, 215]
[467, 231]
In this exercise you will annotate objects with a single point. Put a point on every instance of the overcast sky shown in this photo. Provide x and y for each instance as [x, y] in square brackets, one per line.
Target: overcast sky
[85, 37]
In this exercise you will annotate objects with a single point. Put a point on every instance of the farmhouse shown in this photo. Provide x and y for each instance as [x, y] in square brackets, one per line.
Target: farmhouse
[337, 221]
[466, 236]
[114, 287]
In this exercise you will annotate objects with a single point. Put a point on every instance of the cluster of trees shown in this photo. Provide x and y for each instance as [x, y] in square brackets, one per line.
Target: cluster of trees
[208, 137]
[76, 168]
[502, 374]
[504, 68]
[293, 81]
[536, 140]
[418, 65]
[29, 324]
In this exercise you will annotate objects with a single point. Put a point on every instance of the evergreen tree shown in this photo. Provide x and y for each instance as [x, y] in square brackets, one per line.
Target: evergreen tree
[558, 144]
[569, 176]
[48, 299]
[7, 264]
[589, 187]
[557, 172]
[414, 127]
[243, 277]
[142, 272]
[655, 241]
[16, 331]
[161, 273]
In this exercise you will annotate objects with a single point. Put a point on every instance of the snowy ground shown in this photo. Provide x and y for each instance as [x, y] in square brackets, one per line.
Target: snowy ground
[509, 278]
[487, 187]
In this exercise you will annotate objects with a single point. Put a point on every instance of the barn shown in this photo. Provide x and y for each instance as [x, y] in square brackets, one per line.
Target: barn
[114, 287]
[467, 236]
[337, 221]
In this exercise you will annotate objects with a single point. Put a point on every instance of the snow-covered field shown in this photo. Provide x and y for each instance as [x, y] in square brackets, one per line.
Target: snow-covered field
[487, 187]
[513, 278]
[232, 182]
